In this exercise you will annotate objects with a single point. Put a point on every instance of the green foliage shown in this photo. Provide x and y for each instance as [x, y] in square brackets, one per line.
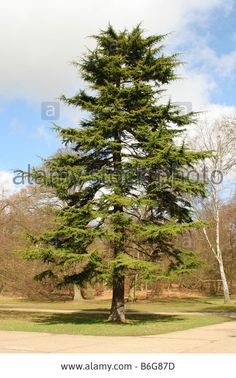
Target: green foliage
[121, 177]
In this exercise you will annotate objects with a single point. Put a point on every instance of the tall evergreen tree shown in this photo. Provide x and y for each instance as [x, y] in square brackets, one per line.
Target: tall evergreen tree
[123, 178]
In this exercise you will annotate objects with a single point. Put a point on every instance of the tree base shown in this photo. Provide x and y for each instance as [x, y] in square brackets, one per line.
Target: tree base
[117, 317]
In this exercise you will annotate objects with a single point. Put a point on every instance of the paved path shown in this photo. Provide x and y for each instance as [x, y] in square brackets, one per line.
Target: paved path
[218, 338]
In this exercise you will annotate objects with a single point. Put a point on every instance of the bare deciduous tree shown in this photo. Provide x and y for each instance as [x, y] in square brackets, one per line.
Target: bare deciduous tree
[217, 170]
[30, 210]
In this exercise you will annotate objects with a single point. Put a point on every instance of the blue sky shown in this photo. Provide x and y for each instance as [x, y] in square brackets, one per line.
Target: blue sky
[218, 48]
[24, 137]
[38, 41]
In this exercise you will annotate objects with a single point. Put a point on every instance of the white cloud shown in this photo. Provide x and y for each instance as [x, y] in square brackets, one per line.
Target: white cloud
[224, 64]
[7, 186]
[193, 87]
[216, 111]
[39, 39]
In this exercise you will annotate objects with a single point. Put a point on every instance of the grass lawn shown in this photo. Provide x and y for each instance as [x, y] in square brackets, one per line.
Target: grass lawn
[96, 324]
[201, 304]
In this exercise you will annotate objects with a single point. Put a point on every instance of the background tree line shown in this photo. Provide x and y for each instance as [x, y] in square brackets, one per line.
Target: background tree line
[32, 210]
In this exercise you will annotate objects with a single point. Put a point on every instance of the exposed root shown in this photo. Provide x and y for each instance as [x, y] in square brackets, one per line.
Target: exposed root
[117, 318]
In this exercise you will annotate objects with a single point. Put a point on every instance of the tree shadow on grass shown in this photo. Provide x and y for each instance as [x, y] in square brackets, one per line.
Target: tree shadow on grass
[89, 319]
[91, 324]
[93, 317]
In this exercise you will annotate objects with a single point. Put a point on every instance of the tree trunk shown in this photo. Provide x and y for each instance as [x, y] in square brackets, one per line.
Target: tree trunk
[117, 313]
[224, 282]
[77, 293]
[219, 252]
[132, 290]
[89, 291]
